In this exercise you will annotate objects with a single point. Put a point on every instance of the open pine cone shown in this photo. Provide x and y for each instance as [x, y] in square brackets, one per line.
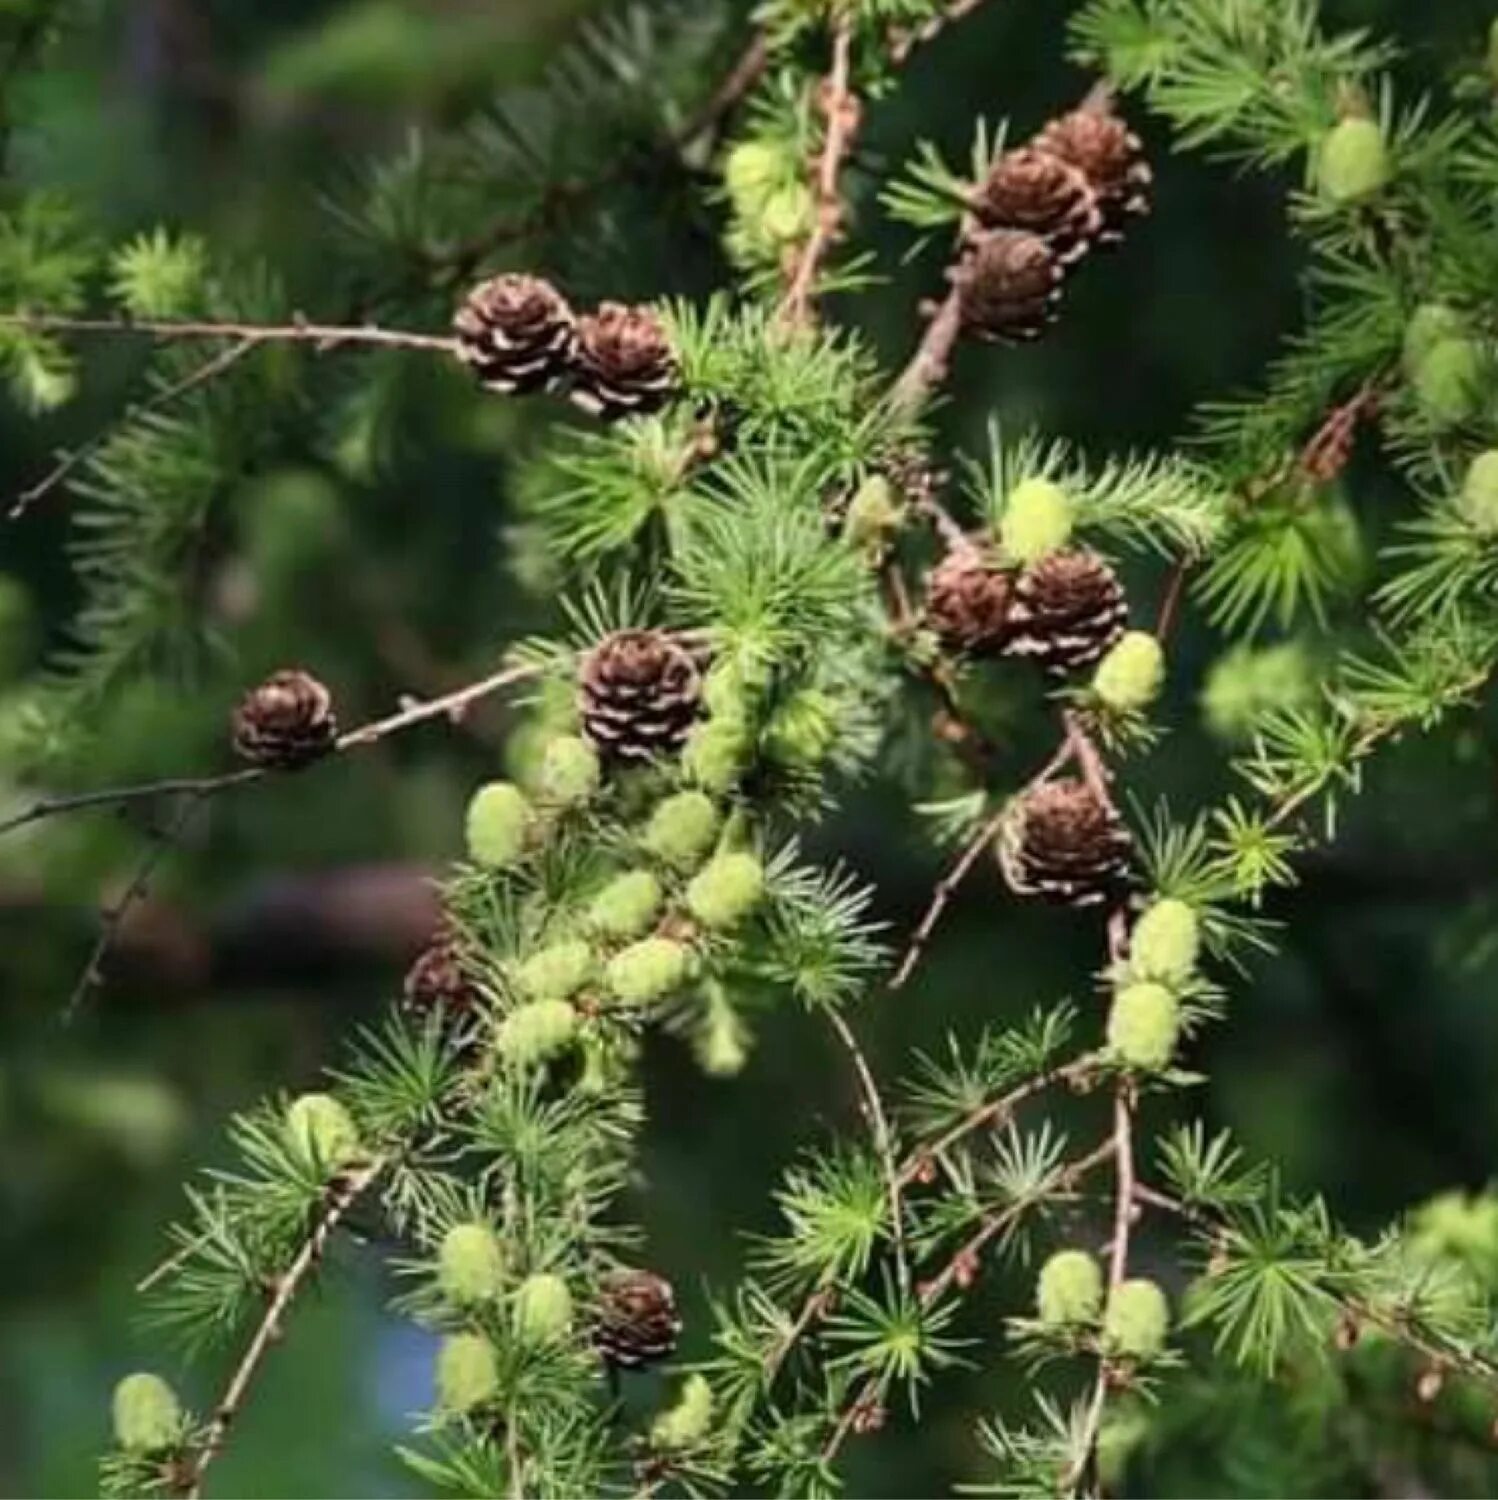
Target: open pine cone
[1041, 193]
[624, 362]
[1069, 608]
[637, 1323]
[286, 722]
[639, 691]
[436, 984]
[1063, 842]
[1099, 143]
[1009, 283]
[516, 333]
[969, 601]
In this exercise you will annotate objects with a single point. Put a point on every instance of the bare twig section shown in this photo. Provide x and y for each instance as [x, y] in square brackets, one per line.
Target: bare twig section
[903, 40]
[841, 108]
[68, 462]
[342, 1195]
[1170, 604]
[932, 359]
[322, 336]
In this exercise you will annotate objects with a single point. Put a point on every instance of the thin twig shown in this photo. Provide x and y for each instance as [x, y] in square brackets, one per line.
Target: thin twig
[904, 40]
[1170, 604]
[932, 359]
[341, 1197]
[322, 336]
[841, 108]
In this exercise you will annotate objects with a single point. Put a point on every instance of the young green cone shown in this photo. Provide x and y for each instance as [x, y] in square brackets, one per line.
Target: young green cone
[557, 972]
[1130, 676]
[536, 1032]
[1354, 161]
[467, 1372]
[147, 1415]
[498, 816]
[323, 1129]
[1165, 943]
[470, 1265]
[627, 906]
[726, 890]
[682, 829]
[1069, 1289]
[570, 771]
[1038, 519]
[1137, 1321]
[1479, 497]
[648, 970]
[688, 1421]
[1143, 1025]
[543, 1309]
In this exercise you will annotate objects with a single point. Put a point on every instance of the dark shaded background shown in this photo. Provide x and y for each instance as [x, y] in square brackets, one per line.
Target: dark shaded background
[1362, 1058]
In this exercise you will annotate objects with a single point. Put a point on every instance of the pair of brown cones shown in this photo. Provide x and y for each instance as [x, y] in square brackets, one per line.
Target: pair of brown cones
[518, 334]
[1043, 206]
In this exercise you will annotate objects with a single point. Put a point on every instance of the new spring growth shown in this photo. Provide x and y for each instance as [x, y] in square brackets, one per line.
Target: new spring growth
[147, 1415]
[323, 1130]
[715, 753]
[726, 890]
[557, 972]
[470, 1265]
[1165, 943]
[686, 1423]
[536, 1032]
[682, 830]
[873, 515]
[1479, 497]
[1129, 677]
[627, 906]
[1444, 364]
[1069, 1289]
[648, 970]
[543, 1309]
[570, 771]
[467, 1372]
[1143, 1025]
[1137, 1321]
[802, 730]
[1353, 163]
[498, 816]
[1038, 518]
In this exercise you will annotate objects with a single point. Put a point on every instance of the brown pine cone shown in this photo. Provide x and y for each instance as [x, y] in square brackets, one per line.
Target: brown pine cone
[1099, 143]
[1064, 843]
[624, 362]
[436, 984]
[639, 692]
[970, 600]
[1039, 192]
[1069, 608]
[636, 1322]
[516, 333]
[286, 722]
[1009, 283]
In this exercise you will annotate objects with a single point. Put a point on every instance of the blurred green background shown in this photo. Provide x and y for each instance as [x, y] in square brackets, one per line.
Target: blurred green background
[1363, 1058]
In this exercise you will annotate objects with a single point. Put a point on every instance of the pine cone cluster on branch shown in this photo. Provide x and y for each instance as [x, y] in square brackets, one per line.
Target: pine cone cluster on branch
[636, 1323]
[1040, 210]
[1065, 843]
[639, 692]
[286, 722]
[518, 334]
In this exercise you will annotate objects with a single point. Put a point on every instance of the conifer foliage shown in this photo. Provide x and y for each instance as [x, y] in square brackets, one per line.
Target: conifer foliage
[770, 557]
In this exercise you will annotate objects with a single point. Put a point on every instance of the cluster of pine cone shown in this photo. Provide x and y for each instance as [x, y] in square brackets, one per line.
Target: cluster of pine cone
[1042, 208]
[518, 334]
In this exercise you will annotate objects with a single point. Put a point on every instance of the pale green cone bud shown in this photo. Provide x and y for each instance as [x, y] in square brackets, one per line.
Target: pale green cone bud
[557, 972]
[1137, 1322]
[722, 1043]
[788, 214]
[536, 1032]
[467, 1372]
[726, 890]
[323, 1129]
[1038, 518]
[1069, 1289]
[802, 730]
[688, 1421]
[732, 687]
[752, 170]
[570, 771]
[873, 513]
[1479, 498]
[715, 754]
[470, 1265]
[1130, 676]
[496, 825]
[1448, 381]
[1430, 324]
[1245, 685]
[627, 906]
[543, 1309]
[1353, 163]
[1166, 942]
[647, 970]
[147, 1415]
[1143, 1025]
[682, 829]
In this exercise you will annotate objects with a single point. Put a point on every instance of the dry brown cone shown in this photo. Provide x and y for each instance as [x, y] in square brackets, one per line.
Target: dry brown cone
[1064, 843]
[286, 722]
[1037, 191]
[1069, 608]
[437, 984]
[623, 362]
[1009, 285]
[636, 1322]
[639, 693]
[970, 601]
[1098, 142]
[516, 333]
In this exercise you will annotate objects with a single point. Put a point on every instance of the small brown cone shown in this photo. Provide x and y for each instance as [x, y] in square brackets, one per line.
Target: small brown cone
[1099, 143]
[624, 362]
[1069, 608]
[437, 984]
[1009, 285]
[637, 1323]
[1039, 192]
[639, 693]
[516, 333]
[286, 722]
[970, 601]
[1064, 843]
